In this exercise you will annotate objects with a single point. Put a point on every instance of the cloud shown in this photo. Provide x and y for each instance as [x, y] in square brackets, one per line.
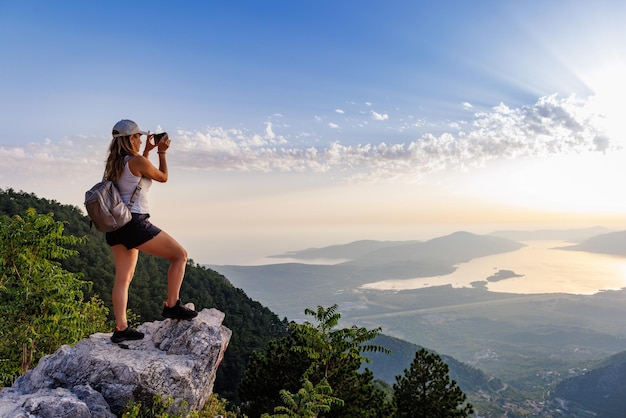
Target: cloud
[379, 116]
[553, 125]
[340, 111]
[268, 130]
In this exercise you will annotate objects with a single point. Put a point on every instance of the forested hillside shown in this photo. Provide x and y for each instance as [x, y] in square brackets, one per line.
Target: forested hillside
[253, 324]
[601, 390]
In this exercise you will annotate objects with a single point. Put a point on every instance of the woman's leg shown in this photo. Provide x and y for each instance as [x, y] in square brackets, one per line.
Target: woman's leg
[125, 261]
[163, 245]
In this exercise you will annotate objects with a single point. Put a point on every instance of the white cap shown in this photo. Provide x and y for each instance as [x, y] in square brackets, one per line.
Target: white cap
[126, 127]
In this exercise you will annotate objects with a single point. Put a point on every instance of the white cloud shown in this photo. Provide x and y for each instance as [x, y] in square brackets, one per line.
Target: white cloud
[268, 130]
[552, 126]
[340, 111]
[333, 125]
[467, 106]
[379, 116]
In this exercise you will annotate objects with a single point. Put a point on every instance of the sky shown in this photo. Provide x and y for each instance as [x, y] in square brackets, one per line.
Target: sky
[299, 124]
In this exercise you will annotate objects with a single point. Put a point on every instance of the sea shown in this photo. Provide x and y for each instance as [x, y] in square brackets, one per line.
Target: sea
[538, 267]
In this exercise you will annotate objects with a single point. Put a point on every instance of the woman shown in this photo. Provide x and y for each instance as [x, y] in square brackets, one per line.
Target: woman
[126, 168]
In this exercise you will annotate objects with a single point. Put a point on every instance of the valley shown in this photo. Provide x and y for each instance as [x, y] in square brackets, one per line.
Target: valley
[529, 342]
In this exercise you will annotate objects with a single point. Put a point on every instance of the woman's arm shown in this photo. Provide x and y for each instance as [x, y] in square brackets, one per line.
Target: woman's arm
[141, 165]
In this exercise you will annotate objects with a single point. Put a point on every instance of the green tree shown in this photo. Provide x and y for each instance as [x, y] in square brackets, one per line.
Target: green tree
[318, 353]
[426, 390]
[308, 402]
[42, 305]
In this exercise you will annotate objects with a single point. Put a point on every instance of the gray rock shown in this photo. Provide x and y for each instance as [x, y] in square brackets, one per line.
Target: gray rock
[97, 378]
[54, 403]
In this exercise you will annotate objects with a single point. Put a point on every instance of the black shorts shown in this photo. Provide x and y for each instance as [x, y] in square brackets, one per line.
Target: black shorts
[138, 231]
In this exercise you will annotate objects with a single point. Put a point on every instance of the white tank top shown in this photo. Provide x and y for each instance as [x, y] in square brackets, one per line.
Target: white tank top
[127, 183]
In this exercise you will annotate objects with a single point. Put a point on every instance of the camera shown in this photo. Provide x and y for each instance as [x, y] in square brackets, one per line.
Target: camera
[158, 137]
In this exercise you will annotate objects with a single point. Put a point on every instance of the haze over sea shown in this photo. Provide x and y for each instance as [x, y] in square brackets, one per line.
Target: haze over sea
[540, 267]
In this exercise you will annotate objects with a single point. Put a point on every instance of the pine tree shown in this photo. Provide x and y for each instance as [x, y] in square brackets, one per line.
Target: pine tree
[426, 390]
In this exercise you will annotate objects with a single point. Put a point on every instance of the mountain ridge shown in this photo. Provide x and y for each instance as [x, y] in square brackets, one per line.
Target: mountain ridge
[613, 243]
[601, 390]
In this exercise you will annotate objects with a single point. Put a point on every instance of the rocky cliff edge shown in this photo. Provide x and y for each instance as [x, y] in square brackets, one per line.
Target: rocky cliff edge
[97, 378]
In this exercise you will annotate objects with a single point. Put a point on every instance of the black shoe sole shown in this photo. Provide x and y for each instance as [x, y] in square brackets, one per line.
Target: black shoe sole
[185, 318]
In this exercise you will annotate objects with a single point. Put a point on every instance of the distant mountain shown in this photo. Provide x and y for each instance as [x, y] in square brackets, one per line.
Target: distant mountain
[350, 251]
[289, 288]
[449, 250]
[571, 235]
[454, 248]
[601, 390]
[611, 243]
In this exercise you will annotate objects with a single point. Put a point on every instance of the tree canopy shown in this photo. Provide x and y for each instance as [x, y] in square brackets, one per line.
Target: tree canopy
[426, 391]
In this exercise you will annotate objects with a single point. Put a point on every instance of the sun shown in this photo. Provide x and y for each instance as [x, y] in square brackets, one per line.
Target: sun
[607, 82]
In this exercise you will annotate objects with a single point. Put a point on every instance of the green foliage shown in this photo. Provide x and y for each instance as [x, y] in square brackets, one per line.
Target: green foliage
[42, 305]
[321, 355]
[161, 407]
[426, 391]
[216, 406]
[267, 373]
[308, 402]
[331, 348]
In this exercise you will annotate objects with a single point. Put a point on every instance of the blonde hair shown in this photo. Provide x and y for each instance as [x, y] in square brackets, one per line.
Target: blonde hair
[120, 147]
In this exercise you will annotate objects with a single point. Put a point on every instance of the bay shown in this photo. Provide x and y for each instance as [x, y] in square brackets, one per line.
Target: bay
[539, 267]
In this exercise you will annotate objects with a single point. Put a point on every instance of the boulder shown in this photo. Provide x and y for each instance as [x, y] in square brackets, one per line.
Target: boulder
[97, 378]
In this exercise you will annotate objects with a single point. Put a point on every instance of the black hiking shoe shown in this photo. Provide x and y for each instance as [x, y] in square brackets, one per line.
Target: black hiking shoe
[178, 311]
[128, 334]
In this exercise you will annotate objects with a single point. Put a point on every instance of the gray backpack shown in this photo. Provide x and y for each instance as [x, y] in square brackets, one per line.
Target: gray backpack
[105, 206]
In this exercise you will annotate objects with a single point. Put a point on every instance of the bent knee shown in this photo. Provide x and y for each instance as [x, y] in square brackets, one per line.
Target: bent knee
[180, 255]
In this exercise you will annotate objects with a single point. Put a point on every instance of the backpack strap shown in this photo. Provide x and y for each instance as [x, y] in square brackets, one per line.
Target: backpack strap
[137, 189]
[134, 195]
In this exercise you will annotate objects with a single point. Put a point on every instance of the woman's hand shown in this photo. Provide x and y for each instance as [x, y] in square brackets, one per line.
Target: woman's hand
[163, 144]
[150, 145]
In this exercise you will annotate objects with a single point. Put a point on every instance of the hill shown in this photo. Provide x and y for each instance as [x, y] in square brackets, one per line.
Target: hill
[485, 392]
[601, 391]
[350, 251]
[571, 235]
[612, 243]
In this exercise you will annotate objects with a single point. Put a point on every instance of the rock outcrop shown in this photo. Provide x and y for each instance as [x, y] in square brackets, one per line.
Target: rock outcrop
[97, 378]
